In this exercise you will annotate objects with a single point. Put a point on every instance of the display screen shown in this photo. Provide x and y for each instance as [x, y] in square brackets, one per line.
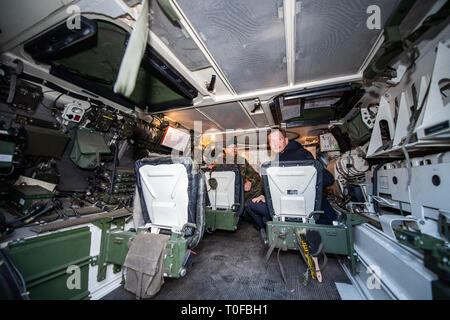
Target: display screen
[328, 143]
[176, 139]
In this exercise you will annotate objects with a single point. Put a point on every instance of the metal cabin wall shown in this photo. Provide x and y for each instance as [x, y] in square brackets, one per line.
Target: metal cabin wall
[44, 262]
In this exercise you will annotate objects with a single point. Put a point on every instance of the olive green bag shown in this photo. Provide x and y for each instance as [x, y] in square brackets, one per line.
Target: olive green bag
[87, 148]
[357, 130]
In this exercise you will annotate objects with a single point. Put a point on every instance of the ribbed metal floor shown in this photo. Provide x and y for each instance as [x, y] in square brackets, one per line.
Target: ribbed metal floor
[230, 266]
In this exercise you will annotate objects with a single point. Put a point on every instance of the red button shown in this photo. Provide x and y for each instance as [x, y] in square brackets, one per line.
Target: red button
[77, 118]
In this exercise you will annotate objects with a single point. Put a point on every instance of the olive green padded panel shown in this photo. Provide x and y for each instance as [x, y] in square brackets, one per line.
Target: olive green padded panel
[87, 148]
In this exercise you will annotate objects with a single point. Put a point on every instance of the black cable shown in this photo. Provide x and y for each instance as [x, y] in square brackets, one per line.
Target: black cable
[32, 212]
[24, 285]
[8, 268]
[49, 207]
[113, 173]
[121, 202]
[9, 264]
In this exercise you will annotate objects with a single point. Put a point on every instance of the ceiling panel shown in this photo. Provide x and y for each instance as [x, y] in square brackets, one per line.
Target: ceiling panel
[187, 118]
[332, 37]
[260, 120]
[229, 116]
[176, 38]
[246, 38]
[19, 15]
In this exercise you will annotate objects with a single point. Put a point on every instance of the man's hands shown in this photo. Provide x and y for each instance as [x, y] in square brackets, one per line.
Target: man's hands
[210, 166]
[259, 199]
[247, 186]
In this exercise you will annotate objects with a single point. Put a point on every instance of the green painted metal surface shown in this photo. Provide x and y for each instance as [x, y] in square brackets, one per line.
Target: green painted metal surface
[117, 246]
[45, 263]
[441, 290]
[334, 238]
[6, 153]
[436, 251]
[22, 198]
[175, 252]
[220, 220]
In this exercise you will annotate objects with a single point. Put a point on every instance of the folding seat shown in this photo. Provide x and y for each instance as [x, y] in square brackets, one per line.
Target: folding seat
[293, 192]
[171, 195]
[225, 200]
[169, 208]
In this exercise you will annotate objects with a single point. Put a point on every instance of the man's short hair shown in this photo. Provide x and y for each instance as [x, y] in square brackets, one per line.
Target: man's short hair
[282, 131]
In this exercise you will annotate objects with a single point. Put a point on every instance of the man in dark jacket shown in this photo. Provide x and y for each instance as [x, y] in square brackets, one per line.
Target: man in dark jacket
[288, 151]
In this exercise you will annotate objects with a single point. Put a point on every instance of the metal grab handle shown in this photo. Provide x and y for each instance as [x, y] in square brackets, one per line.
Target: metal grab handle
[313, 213]
[383, 201]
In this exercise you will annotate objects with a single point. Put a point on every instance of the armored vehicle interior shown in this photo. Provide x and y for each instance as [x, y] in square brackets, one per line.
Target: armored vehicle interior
[115, 115]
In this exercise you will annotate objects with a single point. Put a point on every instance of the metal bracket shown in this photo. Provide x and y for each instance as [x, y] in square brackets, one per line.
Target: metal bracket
[106, 226]
[94, 261]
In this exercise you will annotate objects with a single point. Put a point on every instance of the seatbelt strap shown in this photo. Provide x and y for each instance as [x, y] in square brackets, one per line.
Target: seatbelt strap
[304, 250]
[308, 269]
[280, 247]
[325, 258]
[283, 275]
[271, 248]
[139, 292]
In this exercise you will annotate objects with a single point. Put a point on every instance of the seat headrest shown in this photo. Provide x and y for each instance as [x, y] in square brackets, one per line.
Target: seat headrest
[229, 188]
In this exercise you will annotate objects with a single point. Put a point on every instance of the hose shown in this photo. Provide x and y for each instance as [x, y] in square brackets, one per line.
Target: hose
[48, 208]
